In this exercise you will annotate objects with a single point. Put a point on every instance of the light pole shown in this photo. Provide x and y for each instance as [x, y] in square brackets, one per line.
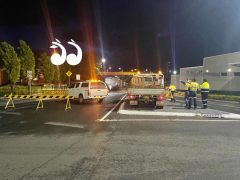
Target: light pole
[103, 63]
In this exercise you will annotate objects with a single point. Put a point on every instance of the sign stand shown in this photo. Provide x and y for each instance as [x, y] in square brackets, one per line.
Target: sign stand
[40, 104]
[29, 75]
[10, 100]
[68, 106]
[69, 73]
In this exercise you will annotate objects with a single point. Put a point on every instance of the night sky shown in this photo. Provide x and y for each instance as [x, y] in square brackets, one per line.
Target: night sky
[128, 33]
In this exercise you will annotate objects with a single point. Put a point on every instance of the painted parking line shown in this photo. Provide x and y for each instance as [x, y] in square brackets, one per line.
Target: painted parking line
[170, 120]
[65, 124]
[179, 114]
[156, 113]
[106, 115]
[10, 113]
[25, 107]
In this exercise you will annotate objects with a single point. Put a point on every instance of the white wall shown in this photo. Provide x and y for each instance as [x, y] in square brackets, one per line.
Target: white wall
[175, 80]
[190, 73]
[216, 71]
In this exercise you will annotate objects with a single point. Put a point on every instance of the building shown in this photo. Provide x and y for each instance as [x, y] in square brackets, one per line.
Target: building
[221, 71]
[3, 77]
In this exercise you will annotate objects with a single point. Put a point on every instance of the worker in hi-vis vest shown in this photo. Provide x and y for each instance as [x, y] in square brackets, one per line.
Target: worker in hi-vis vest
[194, 86]
[204, 93]
[172, 90]
[186, 91]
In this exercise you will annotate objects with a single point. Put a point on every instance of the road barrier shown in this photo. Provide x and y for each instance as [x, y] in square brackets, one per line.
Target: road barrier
[55, 92]
[40, 98]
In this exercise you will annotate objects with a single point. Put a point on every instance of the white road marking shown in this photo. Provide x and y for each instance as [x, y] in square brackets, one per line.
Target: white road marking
[231, 115]
[171, 120]
[65, 124]
[106, 115]
[155, 113]
[179, 114]
[122, 106]
[25, 107]
[10, 113]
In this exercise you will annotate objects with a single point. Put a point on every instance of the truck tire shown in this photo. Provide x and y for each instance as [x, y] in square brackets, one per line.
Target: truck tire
[81, 99]
[100, 101]
[159, 107]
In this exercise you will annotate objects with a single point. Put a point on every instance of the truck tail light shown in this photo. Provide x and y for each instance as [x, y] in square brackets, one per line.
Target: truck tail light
[161, 97]
[131, 96]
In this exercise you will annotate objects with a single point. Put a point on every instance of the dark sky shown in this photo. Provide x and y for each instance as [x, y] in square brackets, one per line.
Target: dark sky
[131, 33]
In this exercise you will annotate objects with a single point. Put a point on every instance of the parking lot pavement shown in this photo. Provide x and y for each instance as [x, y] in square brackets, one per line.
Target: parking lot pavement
[175, 110]
[3, 101]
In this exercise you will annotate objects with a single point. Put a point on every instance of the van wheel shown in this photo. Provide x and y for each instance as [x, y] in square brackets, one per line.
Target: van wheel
[100, 101]
[81, 99]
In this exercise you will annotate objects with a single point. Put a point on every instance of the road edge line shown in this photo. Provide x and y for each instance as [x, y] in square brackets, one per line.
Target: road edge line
[109, 112]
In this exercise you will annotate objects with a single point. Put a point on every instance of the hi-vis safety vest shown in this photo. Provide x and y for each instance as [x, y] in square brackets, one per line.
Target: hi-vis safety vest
[172, 88]
[194, 86]
[187, 86]
[205, 87]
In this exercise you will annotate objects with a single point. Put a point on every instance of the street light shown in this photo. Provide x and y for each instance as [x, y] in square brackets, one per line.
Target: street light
[103, 63]
[174, 72]
[229, 70]
[119, 68]
[103, 60]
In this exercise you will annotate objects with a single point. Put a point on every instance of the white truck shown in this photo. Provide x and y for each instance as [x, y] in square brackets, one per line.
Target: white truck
[88, 90]
[147, 88]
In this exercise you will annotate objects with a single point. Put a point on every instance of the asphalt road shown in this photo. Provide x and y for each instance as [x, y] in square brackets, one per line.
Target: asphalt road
[84, 143]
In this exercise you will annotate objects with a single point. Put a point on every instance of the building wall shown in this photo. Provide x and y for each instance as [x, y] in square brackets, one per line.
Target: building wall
[190, 73]
[3, 77]
[175, 79]
[217, 71]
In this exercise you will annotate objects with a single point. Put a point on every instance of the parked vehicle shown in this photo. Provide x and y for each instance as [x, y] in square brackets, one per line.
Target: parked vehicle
[88, 90]
[113, 83]
[147, 88]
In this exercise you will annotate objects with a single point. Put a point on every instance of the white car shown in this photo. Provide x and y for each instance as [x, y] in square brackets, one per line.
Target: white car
[88, 90]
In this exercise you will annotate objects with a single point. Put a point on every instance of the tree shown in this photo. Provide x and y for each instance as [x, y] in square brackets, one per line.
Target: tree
[56, 78]
[98, 68]
[27, 59]
[46, 67]
[10, 61]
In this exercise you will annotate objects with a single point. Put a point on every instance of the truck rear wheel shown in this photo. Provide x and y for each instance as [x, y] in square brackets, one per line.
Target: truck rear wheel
[100, 101]
[159, 107]
[81, 99]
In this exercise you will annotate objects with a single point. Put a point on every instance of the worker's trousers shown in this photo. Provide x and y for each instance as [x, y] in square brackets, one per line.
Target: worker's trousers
[192, 97]
[204, 99]
[172, 96]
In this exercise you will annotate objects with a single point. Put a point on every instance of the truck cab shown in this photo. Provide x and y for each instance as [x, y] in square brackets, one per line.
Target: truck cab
[88, 90]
